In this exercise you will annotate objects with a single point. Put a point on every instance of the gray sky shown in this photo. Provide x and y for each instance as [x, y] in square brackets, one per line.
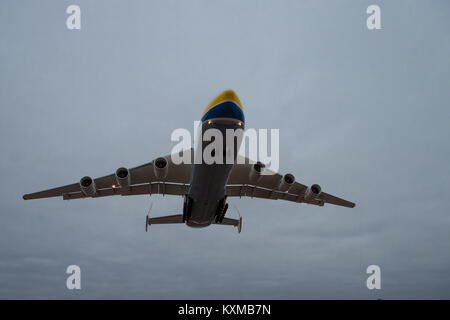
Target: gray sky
[363, 113]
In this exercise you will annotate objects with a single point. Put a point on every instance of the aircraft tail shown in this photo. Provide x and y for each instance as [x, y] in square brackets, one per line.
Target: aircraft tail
[178, 218]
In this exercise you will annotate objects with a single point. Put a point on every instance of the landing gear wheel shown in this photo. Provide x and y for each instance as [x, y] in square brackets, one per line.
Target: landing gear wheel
[146, 223]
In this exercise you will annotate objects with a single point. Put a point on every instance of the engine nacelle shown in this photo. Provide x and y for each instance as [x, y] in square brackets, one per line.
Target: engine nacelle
[255, 172]
[87, 186]
[313, 192]
[160, 167]
[287, 181]
[123, 177]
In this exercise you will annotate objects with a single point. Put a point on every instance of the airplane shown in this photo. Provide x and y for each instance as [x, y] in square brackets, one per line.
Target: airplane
[204, 187]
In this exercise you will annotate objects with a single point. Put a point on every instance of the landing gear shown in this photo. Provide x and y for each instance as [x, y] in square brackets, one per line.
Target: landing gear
[221, 215]
[187, 208]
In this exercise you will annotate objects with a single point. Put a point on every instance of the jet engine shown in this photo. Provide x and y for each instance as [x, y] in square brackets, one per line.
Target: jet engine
[87, 186]
[160, 167]
[255, 172]
[286, 182]
[313, 192]
[123, 177]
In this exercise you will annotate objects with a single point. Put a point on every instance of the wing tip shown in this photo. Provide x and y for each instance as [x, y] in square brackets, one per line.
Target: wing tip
[25, 197]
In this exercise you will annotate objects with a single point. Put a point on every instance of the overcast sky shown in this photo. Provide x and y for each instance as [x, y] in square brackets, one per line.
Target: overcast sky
[363, 113]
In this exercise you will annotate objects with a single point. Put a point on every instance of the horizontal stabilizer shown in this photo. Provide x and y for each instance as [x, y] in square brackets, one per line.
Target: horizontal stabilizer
[177, 218]
[232, 222]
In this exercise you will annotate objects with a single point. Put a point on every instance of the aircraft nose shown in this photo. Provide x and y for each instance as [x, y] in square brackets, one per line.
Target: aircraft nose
[227, 105]
[230, 95]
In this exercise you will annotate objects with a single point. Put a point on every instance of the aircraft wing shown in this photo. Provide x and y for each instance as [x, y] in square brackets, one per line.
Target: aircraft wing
[142, 180]
[267, 186]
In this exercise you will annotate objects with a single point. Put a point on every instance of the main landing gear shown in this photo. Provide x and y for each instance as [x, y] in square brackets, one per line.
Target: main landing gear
[222, 208]
[187, 208]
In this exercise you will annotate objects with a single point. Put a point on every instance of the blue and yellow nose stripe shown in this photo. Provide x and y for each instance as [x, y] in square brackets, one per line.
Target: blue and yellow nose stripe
[225, 105]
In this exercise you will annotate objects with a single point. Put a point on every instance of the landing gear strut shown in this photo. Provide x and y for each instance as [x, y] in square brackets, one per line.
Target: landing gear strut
[221, 215]
[187, 208]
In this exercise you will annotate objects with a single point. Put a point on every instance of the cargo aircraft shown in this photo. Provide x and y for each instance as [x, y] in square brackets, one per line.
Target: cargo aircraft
[204, 187]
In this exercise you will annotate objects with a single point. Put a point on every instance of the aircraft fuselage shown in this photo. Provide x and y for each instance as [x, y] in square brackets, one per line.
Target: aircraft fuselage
[208, 183]
[206, 198]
